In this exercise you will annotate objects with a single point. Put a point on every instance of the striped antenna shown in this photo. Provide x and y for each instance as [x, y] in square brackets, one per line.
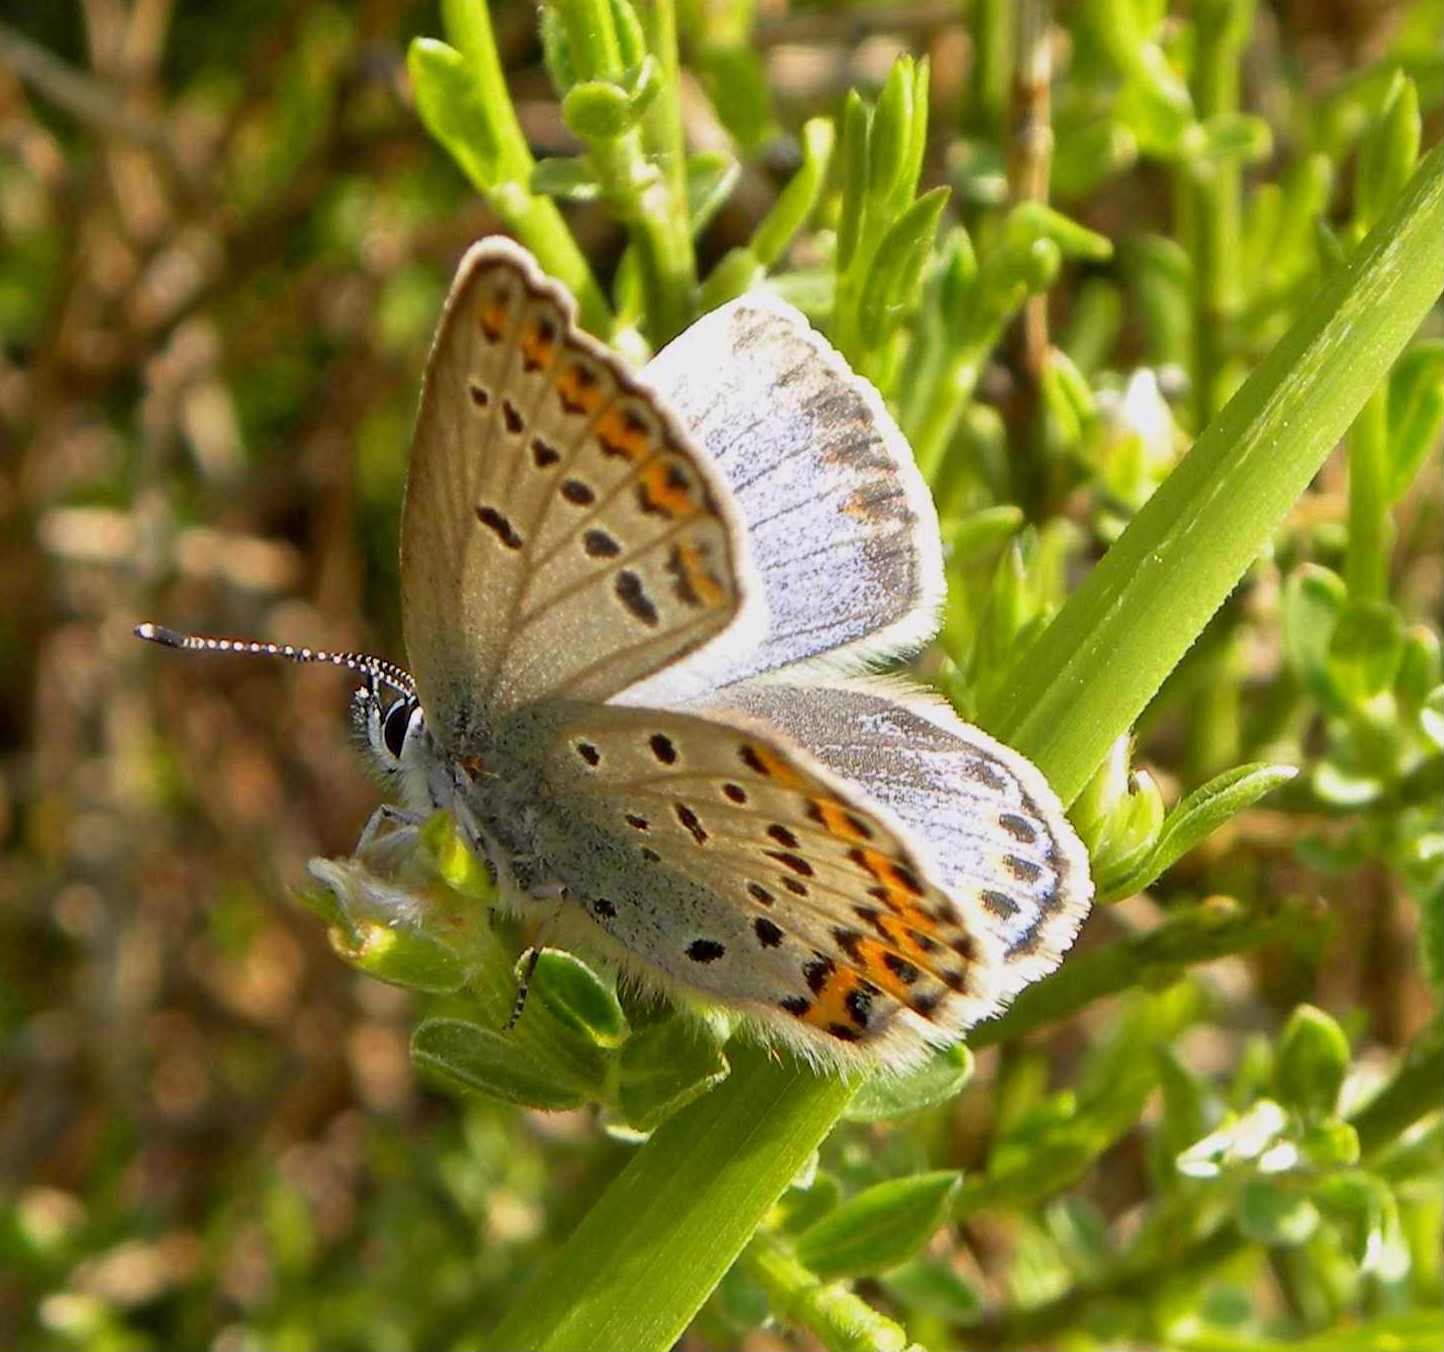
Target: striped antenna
[363, 664]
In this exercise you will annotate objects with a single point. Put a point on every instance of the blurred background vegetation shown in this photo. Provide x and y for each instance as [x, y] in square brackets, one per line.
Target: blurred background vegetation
[225, 233]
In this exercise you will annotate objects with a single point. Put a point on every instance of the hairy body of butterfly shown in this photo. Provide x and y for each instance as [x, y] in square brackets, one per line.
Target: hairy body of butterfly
[635, 609]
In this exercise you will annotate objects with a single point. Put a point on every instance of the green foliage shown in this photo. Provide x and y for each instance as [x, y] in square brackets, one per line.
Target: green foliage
[1123, 328]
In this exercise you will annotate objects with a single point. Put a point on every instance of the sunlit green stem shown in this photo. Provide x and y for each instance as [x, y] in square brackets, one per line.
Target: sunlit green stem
[1371, 525]
[840, 1320]
[1212, 211]
[951, 389]
[534, 220]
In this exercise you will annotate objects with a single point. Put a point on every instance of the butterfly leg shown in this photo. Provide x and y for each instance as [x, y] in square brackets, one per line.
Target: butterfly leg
[559, 893]
[523, 985]
[399, 829]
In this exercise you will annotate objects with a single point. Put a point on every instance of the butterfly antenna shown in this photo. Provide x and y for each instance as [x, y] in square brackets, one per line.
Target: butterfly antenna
[363, 664]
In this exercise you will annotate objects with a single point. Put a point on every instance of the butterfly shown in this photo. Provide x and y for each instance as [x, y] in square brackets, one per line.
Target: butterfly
[641, 611]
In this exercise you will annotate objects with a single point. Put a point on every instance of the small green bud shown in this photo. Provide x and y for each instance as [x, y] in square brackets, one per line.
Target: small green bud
[1312, 1060]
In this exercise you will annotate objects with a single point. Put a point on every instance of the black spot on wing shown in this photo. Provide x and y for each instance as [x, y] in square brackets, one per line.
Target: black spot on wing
[768, 935]
[633, 596]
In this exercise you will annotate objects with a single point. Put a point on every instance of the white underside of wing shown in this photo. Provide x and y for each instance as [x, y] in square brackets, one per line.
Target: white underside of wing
[841, 526]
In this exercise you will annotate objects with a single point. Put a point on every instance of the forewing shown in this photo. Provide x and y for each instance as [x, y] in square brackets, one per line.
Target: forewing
[725, 857]
[561, 535]
[841, 527]
[1010, 860]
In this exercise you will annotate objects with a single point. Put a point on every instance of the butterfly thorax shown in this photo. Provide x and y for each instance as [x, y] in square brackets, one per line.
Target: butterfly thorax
[495, 809]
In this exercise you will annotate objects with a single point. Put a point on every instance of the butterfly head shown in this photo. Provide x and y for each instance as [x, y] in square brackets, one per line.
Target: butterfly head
[390, 726]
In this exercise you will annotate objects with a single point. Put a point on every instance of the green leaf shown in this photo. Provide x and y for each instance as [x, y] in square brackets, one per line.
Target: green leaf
[801, 1207]
[711, 176]
[1362, 1205]
[795, 203]
[451, 109]
[958, 270]
[1329, 1143]
[577, 997]
[1366, 649]
[892, 287]
[1207, 808]
[932, 1287]
[1126, 838]
[1313, 1057]
[1228, 138]
[891, 133]
[856, 121]
[1271, 1212]
[628, 1277]
[665, 1066]
[980, 534]
[1388, 152]
[476, 1059]
[1030, 221]
[631, 40]
[1313, 600]
[879, 1228]
[1416, 412]
[567, 177]
[888, 1096]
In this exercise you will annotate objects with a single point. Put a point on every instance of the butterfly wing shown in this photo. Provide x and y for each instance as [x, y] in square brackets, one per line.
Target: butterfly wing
[1004, 850]
[841, 526]
[731, 862]
[561, 536]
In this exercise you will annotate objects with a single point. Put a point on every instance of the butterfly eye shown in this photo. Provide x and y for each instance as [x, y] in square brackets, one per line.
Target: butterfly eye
[393, 730]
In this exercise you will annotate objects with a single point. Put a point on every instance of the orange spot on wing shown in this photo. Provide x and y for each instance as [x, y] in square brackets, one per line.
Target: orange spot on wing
[625, 433]
[699, 577]
[538, 345]
[899, 887]
[766, 762]
[910, 937]
[578, 387]
[839, 822]
[492, 317]
[829, 1006]
[665, 489]
[870, 956]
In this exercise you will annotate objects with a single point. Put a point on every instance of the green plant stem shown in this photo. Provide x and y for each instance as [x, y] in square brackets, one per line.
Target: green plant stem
[1371, 526]
[986, 112]
[630, 1276]
[653, 1247]
[536, 221]
[840, 1320]
[1110, 647]
[642, 169]
[947, 399]
[674, 260]
[1212, 215]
